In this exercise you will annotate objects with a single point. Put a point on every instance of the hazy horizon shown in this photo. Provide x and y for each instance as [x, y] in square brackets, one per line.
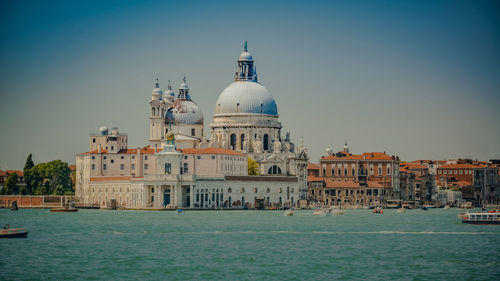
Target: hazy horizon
[416, 79]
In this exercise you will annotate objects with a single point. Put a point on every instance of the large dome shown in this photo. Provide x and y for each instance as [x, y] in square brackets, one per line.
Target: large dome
[184, 111]
[245, 97]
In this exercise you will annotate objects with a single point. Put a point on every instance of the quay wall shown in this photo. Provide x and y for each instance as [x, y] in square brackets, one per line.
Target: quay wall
[25, 201]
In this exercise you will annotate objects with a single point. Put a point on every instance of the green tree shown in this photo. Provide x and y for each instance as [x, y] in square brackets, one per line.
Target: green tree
[253, 167]
[51, 178]
[10, 185]
[28, 177]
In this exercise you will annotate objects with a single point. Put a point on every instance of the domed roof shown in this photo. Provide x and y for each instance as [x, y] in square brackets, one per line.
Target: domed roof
[157, 92]
[248, 97]
[245, 56]
[184, 111]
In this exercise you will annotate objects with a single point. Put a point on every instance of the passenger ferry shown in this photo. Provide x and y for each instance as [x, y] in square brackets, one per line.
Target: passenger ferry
[481, 218]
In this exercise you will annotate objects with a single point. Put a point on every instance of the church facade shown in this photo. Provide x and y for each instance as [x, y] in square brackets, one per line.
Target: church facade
[181, 167]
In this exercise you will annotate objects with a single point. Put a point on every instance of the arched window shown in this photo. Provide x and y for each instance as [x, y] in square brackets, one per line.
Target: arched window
[185, 168]
[233, 141]
[229, 190]
[266, 142]
[242, 139]
[274, 170]
[268, 190]
[153, 112]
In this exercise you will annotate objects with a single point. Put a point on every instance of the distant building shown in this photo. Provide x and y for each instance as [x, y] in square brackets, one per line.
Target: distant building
[365, 179]
[5, 174]
[479, 182]
[416, 184]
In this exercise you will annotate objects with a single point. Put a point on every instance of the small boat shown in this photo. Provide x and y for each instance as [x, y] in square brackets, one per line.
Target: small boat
[401, 210]
[13, 206]
[179, 210]
[337, 212]
[66, 208]
[378, 210]
[462, 214]
[424, 208]
[481, 218]
[446, 207]
[289, 212]
[8, 232]
[63, 210]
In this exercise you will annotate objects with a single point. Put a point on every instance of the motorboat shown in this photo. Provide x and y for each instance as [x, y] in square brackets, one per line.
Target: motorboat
[66, 209]
[481, 218]
[378, 210]
[289, 212]
[8, 232]
[401, 210]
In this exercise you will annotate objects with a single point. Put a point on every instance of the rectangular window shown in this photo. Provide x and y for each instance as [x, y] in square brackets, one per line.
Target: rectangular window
[213, 157]
[439, 172]
[93, 157]
[122, 166]
[145, 166]
[461, 172]
[198, 157]
[133, 156]
[104, 166]
[104, 157]
[333, 171]
[146, 157]
[346, 192]
[112, 148]
[455, 172]
[388, 170]
[112, 161]
[379, 171]
[133, 166]
[121, 157]
[93, 166]
[192, 132]
[168, 168]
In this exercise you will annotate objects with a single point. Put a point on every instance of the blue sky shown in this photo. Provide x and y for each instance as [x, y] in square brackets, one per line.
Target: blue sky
[419, 79]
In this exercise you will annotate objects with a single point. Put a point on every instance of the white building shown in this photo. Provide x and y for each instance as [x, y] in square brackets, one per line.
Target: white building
[180, 168]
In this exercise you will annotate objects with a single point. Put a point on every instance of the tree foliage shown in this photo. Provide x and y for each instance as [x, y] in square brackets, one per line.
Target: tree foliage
[253, 167]
[28, 178]
[49, 178]
[10, 186]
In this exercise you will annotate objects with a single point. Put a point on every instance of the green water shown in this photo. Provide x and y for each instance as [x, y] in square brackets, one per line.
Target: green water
[248, 245]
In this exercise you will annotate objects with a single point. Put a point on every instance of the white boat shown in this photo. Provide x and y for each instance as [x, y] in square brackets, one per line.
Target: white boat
[481, 218]
[289, 212]
[401, 210]
[337, 212]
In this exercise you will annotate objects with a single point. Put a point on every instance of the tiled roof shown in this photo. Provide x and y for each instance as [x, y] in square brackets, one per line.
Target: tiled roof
[211, 150]
[341, 184]
[374, 184]
[364, 156]
[6, 172]
[72, 167]
[461, 166]
[119, 178]
[144, 150]
[413, 166]
[313, 178]
[312, 166]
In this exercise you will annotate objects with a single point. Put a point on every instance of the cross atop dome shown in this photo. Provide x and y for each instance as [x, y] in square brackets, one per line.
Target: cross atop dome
[245, 49]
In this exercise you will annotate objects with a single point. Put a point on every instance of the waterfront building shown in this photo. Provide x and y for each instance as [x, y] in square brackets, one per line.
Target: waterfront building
[478, 182]
[371, 178]
[415, 184]
[181, 168]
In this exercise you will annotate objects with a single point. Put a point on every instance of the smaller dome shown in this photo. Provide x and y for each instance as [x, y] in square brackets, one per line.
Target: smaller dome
[183, 86]
[103, 130]
[184, 112]
[245, 56]
[157, 93]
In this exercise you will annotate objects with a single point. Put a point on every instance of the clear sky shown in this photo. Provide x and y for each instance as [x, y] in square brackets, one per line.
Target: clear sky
[419, 79]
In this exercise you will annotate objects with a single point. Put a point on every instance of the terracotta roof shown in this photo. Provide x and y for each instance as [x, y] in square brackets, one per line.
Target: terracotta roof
[144, 150]
[403, 169]
[312, 166]
[313, 178]
[18, 172]
[72, 167]
[366, 155]
[374, 184]
[341, 184]
[120, 178]
[413, 166]
[211, 150]
[461, 166]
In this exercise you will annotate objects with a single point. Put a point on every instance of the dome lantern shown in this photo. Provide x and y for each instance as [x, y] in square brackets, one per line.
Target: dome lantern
[246, 69]
[157, 92]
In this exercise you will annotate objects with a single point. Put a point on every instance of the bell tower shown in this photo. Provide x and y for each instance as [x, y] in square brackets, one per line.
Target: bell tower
[156, 115]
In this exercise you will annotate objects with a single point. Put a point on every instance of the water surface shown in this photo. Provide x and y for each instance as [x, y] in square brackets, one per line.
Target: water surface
[248, 245]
